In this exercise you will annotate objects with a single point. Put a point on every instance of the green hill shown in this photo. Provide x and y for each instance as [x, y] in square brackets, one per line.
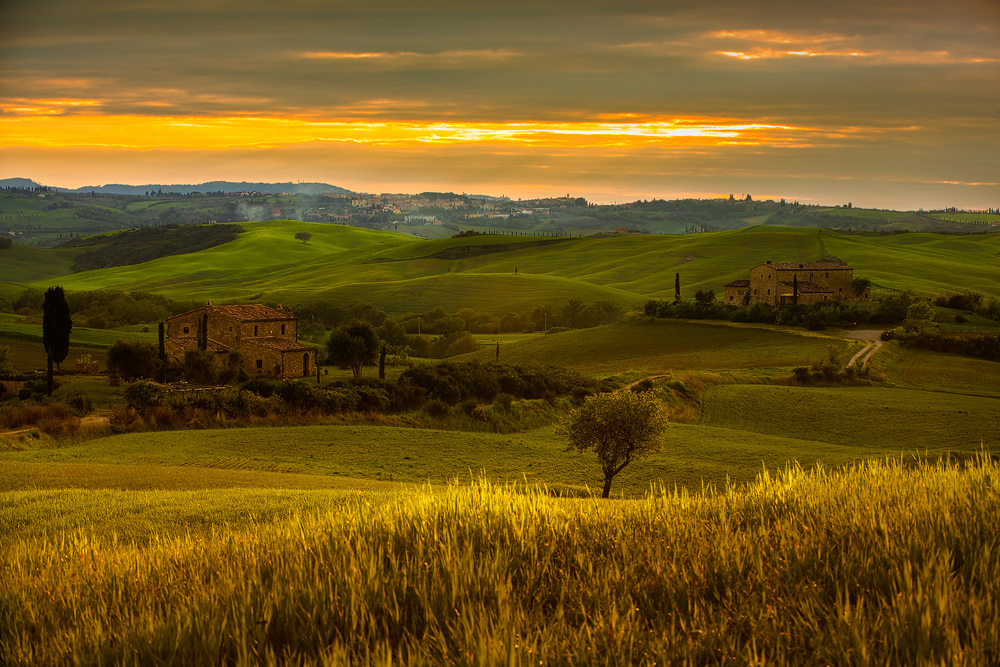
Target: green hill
[503, 273]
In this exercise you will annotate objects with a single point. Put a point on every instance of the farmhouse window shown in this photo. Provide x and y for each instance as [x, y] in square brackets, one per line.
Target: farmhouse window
[255, 330]
[282, 329]
[260, 364]
[187, 329]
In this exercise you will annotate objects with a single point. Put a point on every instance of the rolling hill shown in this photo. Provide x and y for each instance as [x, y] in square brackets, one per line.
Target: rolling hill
[499, 274]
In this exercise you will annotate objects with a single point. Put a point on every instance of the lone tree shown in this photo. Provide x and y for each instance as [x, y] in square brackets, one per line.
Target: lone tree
[56, 326]
[303, 236]
[677, 288]
[353, 345]
[621, 427]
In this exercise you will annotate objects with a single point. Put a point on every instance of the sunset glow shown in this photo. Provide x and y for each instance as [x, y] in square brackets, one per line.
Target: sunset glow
[609, 101]
[145, 132]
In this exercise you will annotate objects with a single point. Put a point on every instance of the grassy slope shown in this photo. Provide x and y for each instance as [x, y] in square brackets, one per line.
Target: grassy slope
[865, 419]
[399, 274]
[660, 346]
[21, 264]
[332, 456]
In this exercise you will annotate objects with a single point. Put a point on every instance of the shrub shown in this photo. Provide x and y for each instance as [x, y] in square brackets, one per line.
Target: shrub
[32, 415]
[264, 387]
[80, 403]
[142, 394]
[468, 406]
[436, 408]
[643, 385]
[199, 366]
[463, 345]
[133, 359]
[370, 399]
[124, 419]
[506, 400]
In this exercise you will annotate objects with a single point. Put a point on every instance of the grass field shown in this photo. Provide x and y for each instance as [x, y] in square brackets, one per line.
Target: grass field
[351, 542]
[884, 563]
[16, 327]
[652, 347]
[401, 274]
[865, 418]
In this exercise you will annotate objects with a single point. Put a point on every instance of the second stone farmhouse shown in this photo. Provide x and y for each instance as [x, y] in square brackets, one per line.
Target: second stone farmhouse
[806, 283]
[265, 337]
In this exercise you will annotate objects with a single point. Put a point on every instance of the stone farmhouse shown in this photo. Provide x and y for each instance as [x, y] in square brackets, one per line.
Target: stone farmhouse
[265, 337]
[775, 283]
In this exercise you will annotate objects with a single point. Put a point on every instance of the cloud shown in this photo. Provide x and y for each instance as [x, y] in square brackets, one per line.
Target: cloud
[773, 44]
[454, 58]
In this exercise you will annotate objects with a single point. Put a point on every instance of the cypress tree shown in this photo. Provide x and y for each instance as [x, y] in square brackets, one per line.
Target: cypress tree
[795, 289]
[162, 375]
[677, 288]
[56, 326]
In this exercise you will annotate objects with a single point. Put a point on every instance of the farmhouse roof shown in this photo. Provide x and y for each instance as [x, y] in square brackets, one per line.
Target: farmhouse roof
[275, 343]
[807, 266]
[739, 283]
[806, 287]
[254, 312]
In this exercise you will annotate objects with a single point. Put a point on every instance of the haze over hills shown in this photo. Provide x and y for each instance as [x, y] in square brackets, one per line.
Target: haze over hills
[211, 186]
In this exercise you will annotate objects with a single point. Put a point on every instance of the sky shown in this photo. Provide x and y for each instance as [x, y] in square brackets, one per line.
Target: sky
[889, 104]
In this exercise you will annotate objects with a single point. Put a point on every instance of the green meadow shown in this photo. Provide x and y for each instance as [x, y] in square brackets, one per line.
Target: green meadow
[378, 539]
[503, 273]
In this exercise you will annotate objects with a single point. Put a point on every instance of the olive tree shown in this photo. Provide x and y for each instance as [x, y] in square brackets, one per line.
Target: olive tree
[353, 345]
[620, 427]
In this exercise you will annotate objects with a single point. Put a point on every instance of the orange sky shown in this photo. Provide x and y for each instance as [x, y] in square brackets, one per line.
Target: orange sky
[894, 105]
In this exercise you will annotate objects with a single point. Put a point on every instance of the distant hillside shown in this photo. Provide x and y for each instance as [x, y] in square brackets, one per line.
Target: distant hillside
[144, 245]
[401, 274]
[212, 186]
[25, 183]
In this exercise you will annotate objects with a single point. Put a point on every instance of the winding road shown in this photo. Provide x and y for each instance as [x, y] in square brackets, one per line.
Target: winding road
[873, 341]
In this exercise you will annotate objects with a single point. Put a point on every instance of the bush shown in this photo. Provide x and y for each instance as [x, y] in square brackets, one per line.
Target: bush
[437, 408]
[124, 419]
[463, 345]
[506, 400]
[80, 403]
[142, 394]
[199, 366]
[264, 387]
[643, 385]
[370, 399]
[133, 359]
[468, 406]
